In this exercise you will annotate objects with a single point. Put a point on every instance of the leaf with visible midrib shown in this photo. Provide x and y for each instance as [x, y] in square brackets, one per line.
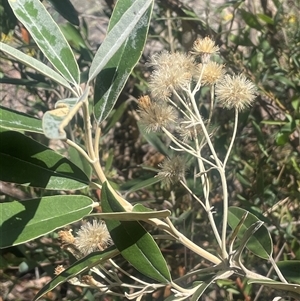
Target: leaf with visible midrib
[27, 162]
[119, 53]
[260, 243]
[135, 244]
[19, 121]
[26, 220]
[47, 35]
[79, 266]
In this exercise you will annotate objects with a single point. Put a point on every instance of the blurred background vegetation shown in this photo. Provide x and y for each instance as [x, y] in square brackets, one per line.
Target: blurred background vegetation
[258, 38]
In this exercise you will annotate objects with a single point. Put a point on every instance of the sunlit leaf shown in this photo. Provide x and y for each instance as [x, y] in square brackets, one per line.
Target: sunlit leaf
[47, 35]
[27, 220]
[125, 41]
[35, 64]
[118, 35]
[19, 121]
[56, 120]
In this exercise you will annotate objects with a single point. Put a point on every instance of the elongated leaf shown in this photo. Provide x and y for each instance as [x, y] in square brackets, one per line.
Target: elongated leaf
[134, 242]
[138, 184]
[203, 286]
[27, 220]
[115, 72]
[67, 10]
[18, 121]
[292, 290]
[27, 162]
[118, 35]
[250, 19]
[290, 270]
[78, 267]
[47, 36]
[266, 19]
[260, 243]
[34, 64]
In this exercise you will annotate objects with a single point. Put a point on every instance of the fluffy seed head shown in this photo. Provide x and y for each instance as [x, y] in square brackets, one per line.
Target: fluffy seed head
[156, 115]
[171, 71]
[92, 237]
[211, 74]
[205, 48]
[235, 92]
[172, 170]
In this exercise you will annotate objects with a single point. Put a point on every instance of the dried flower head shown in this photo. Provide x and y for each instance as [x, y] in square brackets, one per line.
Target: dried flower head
[211, 74]
[92, 237]
[171, 71]
[172, 170]
[66, 237]
[205, 48]
[156, 115]
[235, 92]
[59, 269]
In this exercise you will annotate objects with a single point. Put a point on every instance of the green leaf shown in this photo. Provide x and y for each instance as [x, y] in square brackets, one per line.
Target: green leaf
[137, 184]
[27, 162]
[75, 39]
[35, 64]
[79, 160]
[266, 19]
[250, 19]
[54, 121]
[135, 244]
[67, 10]
[47, 35]
[27, 220]
[203, 286]
[290, 270]
[118, 34]
[260, 243]
[119, 53]
[78, 267]
[282, 138]
[19, 121]
[292, 290]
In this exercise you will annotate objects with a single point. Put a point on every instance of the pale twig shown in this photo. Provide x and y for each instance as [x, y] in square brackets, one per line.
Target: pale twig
[236, 118]
[191, 245]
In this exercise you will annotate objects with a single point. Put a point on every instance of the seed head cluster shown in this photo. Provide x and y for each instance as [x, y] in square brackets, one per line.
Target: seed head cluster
[205, 48]
[212, 72]
[156, 115]
[235, 92]
[172, 170]
[172, 71]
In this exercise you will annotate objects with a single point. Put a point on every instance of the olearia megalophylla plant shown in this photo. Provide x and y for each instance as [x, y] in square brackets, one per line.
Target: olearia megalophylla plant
[173, 108]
